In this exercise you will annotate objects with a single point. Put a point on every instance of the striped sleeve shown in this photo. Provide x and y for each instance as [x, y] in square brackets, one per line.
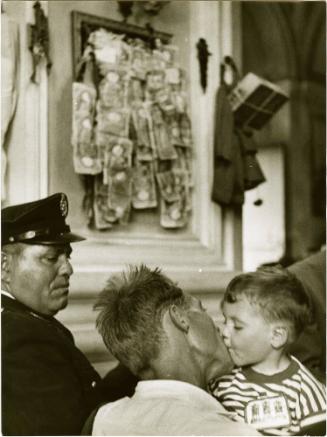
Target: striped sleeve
[313, 395]
[234, 392]
[305, 395]
[216, 385]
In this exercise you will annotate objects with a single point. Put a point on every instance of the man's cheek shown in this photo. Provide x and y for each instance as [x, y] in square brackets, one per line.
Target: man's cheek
[226, 362]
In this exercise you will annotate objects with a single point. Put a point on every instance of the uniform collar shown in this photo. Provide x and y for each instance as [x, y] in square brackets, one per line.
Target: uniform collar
[10, 302]
[6, 293]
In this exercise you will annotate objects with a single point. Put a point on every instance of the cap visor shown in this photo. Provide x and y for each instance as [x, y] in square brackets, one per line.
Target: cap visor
[68, 237]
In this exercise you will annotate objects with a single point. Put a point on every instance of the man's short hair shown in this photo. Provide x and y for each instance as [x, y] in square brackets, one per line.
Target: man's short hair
[278, 295]
[131, 310]
[13, 249]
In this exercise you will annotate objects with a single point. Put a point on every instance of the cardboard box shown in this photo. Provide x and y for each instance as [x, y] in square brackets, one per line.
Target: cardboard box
[255, 100]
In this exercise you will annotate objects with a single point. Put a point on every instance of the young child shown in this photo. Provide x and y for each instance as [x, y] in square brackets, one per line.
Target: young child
[264, 313]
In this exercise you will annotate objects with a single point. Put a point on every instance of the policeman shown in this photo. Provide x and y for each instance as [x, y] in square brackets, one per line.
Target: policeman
[48, 385]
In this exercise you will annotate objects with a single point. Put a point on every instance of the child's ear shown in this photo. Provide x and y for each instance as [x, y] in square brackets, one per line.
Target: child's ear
[279, 336]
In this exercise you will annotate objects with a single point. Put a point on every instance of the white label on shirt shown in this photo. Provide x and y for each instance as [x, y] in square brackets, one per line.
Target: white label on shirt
[268, 413]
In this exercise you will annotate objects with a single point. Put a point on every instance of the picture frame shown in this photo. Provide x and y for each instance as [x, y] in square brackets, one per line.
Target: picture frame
[83, 24]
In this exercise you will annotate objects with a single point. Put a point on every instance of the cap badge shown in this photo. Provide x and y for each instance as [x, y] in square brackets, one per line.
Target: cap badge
[30, 234]
[63, 205]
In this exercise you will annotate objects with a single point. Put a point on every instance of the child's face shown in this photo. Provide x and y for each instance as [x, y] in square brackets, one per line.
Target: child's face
[246, 334]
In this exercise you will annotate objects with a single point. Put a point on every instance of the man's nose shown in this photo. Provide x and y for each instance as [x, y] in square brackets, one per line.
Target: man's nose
[66, 267]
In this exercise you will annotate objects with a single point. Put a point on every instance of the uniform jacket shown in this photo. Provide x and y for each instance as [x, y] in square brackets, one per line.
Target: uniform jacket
[48, 385]
[310, 347]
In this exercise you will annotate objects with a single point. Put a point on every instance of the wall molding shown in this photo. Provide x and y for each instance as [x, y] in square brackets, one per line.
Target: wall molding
[36, 121]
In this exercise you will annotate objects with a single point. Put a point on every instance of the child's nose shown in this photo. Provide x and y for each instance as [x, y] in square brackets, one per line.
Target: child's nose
[225, 332]
[226, 336]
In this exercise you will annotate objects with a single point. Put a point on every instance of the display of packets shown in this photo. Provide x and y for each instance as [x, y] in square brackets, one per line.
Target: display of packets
[161, 136]
[120, 194]
[170, 185]
[110, 50]
[113, 89]
[113, 121]
[173, 215]
[104, 217]
[131, 131]
[85, 153]
[144, 188]
[135, 92]
[117, 155]
[142, 123]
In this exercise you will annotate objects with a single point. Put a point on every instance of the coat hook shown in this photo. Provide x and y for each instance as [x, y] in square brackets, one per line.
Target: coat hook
[125, 8]
[39, 39]
[203, 57]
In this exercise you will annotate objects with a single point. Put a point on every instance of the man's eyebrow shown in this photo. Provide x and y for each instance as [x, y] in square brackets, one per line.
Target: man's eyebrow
[59, 250]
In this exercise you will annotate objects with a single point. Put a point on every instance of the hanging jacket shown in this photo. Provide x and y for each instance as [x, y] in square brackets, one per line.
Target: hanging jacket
[235, 166]
[252, 173]
[225, 150]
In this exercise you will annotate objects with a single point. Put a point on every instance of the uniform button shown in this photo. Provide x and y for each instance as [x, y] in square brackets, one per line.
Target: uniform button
[94, 384]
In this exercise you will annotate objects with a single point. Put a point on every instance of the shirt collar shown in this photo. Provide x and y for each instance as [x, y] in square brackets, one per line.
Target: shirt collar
[171, 388]
[6, 293]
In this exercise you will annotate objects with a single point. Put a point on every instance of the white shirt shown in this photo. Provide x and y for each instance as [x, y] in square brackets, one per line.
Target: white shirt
[167, 407]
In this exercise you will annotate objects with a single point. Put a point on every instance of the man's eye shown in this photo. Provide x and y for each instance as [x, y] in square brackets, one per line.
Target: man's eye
[51, 258]
[238, 328]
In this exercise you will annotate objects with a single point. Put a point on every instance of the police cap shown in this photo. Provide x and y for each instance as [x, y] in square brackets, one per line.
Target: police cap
[39, 222]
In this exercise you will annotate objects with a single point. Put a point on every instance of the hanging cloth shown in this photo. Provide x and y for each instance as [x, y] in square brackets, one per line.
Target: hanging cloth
[252, 173]
[235, 166]
[224, 171]
[9, 87]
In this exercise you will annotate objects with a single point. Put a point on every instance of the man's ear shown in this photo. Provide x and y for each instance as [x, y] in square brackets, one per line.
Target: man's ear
[5, 268]
[179, 318]
[4, 262]
[279, 336]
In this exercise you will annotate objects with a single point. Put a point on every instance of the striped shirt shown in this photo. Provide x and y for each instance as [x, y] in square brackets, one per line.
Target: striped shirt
[305, 396]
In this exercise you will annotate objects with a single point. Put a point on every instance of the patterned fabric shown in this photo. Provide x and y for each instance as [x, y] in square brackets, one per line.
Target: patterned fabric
[305, 396]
